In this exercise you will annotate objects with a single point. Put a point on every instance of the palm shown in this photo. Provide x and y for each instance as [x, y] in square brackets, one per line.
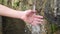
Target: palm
[32, 18]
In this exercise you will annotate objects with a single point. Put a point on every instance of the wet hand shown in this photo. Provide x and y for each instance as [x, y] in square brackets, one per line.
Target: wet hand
[31, 17]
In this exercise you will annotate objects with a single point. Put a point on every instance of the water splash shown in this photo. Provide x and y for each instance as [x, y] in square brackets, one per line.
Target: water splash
[33, 29]
[36, 29]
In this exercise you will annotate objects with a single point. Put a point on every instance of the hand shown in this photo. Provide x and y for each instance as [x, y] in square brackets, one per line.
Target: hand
[31, 17]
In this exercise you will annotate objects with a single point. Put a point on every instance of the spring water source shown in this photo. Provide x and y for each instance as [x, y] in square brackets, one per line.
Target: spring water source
[38, 29]
[34, 29]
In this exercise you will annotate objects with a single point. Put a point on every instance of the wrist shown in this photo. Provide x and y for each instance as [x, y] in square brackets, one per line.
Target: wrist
[21, 15]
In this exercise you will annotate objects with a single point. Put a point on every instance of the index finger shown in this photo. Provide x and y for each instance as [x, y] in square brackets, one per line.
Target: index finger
[38, 16]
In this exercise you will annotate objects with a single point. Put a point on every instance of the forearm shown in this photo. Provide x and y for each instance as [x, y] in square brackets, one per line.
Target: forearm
[5, 11]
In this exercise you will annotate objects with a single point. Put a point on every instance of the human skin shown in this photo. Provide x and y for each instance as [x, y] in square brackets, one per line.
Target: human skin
[28, 16]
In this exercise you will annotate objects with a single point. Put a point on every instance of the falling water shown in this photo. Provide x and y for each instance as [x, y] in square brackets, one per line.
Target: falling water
[37, 29]
[34, 29]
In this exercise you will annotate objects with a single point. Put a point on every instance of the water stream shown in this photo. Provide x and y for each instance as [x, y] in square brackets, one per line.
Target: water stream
[33, 29]
[36, 29]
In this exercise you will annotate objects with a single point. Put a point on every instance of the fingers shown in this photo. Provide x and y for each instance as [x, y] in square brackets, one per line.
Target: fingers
[38, 16]
[39, 20]
[36, 21]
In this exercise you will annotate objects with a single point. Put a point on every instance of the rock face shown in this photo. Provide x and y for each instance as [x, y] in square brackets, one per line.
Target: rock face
[58, 11]
[0, 25]
[52, 11]
[13, 26]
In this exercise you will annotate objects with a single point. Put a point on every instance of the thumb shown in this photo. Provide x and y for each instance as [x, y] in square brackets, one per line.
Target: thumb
[30, 12]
